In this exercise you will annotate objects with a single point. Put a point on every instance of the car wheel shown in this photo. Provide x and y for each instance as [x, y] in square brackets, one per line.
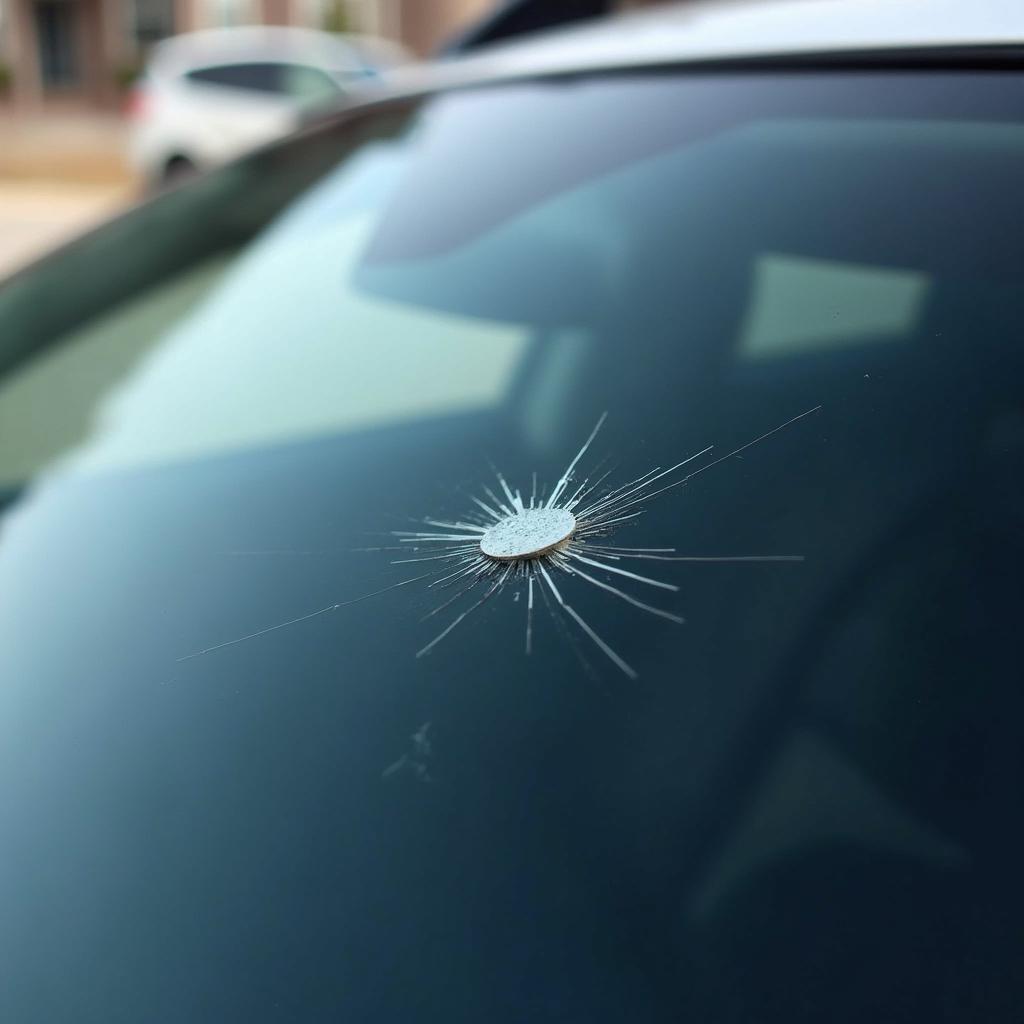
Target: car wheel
[176, 170]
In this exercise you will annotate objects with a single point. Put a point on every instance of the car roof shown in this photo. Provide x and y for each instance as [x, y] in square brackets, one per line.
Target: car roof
[258, 42]
[747, 31]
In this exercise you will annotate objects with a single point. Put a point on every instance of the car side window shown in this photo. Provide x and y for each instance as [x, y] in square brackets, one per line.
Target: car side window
[265, 77]
[306, 84]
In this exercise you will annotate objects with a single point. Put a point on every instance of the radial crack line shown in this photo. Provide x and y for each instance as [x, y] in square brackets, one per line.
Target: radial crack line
[628, 597]
[623, 572]
[622, 663]
[529, 613]
[303, 618]
[472, 608]
[563, 482]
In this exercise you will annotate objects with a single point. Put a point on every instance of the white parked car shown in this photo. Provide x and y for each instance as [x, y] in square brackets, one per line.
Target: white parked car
[208, 96]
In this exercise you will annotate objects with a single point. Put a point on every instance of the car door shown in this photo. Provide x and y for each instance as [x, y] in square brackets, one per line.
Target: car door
[230, 108]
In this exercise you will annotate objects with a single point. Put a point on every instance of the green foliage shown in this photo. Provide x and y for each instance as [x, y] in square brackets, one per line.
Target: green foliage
[125, 74]
[336, 17]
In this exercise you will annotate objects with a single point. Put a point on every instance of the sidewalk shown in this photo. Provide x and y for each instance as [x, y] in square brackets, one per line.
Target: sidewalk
[59, 175]
[38, 216]
[78, 147]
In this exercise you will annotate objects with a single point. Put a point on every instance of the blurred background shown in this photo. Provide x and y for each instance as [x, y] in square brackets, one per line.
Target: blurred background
[67, 73]
[102, 100]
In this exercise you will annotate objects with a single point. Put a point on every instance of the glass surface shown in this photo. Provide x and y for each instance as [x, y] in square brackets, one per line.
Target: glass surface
[57, 30]
[151, 20]
[297, 81]
[254, 77]
[308, 85]
[216, 412]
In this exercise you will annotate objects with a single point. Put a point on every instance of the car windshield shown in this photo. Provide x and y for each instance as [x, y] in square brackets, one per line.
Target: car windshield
[541, 552]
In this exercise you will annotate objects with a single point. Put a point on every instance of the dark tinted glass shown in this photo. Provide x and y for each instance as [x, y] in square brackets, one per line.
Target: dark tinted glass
[216, 413]
[267, 77]
[308, 85]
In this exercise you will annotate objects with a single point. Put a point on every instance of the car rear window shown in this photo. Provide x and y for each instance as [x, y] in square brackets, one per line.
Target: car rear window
[254, 77]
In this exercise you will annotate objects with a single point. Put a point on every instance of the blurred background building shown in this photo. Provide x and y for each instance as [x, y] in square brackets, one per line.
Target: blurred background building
[79, 54]
[66, 67]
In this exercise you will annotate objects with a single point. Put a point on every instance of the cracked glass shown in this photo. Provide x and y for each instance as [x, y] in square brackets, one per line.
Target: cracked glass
[229, 788]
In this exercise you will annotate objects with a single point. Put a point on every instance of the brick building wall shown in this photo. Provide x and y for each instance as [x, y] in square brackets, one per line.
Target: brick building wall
[59, 54]
[63, 54]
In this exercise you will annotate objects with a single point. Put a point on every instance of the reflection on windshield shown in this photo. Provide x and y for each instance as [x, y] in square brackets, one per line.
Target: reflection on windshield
[801, 305]
[286, 350]
[71, 381]
[508, 542]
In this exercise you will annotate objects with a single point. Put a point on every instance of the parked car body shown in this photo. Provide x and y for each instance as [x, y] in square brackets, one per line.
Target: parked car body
[208, 96]
[260, 760]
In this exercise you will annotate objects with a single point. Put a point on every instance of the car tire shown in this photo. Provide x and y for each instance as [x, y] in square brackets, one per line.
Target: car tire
[175, 171]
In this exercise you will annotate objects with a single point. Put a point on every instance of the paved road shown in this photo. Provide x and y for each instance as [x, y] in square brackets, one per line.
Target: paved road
[36, 216]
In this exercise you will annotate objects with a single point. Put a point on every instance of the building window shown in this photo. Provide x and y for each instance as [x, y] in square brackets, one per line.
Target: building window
[56, 33]
[233, 12]
[152, 20]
